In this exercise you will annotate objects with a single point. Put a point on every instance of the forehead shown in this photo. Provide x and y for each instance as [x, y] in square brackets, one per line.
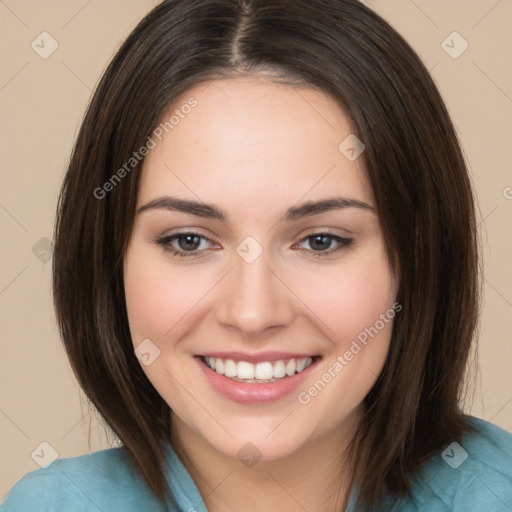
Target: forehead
[250, 140]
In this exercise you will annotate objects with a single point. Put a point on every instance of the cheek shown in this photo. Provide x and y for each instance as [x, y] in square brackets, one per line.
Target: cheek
[346, 300]
[358, 309]
[352, 299]
[155, 299]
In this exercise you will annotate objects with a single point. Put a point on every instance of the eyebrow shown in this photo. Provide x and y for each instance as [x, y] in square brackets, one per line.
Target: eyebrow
[212, 211]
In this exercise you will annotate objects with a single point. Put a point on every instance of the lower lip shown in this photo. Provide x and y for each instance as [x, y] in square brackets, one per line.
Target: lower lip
[253, 393]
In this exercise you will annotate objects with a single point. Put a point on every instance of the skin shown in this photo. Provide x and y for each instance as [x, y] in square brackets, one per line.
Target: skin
[255, 148]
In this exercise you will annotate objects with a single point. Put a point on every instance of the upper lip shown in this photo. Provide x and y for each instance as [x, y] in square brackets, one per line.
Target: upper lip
[259, 357]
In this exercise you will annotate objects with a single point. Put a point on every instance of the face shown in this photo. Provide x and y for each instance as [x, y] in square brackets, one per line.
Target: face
[262, 317]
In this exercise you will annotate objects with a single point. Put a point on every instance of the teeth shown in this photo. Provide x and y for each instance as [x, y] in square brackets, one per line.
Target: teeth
[229, 368]
[291, 367]
[279, 371]
[243, 371]
[264, 371]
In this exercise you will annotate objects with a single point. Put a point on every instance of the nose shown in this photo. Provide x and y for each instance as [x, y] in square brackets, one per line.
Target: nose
[255, 300]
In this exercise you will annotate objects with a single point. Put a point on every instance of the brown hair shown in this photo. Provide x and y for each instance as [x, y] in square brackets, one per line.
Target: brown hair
[414, 163]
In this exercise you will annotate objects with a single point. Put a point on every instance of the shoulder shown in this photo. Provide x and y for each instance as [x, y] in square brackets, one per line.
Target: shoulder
[104, 480]
[473, 475]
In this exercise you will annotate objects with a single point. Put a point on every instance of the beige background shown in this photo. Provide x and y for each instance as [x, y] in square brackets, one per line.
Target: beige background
[41, 104]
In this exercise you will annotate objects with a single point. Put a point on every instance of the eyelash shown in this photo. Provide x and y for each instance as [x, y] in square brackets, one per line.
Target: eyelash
[165, 243]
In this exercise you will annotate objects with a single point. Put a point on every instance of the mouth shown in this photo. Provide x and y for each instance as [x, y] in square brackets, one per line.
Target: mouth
[263, 372]
[256, 379]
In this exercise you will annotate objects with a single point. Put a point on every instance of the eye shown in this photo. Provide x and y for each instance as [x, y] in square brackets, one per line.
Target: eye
[184, 245]
[320, 243]
[190, 244]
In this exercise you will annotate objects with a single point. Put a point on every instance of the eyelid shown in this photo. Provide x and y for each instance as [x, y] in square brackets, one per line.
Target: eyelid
[185, 231]
[167, 238]
[323, 231]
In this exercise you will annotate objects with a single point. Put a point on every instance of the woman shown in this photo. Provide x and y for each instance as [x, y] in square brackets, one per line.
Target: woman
[266, 273]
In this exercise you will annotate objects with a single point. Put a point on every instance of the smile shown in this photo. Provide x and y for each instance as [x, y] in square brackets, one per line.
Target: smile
[256, 379]
[260, 373]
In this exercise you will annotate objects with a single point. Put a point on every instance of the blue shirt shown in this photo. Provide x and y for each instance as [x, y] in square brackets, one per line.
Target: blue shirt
[474, 476]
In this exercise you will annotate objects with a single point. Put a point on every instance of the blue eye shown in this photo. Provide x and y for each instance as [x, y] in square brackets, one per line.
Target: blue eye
[189, 244]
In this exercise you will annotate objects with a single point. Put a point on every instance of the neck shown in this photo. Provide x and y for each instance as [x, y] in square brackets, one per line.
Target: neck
[316, 477]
